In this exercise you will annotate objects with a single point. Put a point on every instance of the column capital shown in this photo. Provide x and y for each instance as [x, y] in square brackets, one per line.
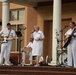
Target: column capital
[4, 0]
[5, 13]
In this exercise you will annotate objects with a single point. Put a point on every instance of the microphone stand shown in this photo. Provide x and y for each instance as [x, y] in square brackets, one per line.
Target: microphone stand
[19, 46]
[63, 29]
[61, 45]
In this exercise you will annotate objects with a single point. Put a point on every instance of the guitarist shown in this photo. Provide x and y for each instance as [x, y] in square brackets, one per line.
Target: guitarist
[72, 45]
[10, 35]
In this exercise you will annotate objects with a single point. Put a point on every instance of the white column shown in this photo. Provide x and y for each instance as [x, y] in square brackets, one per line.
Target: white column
[5, 13]
[56, 27]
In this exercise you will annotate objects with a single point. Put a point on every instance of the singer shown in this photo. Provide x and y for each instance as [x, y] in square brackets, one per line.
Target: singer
[38, 37]
[72, 44]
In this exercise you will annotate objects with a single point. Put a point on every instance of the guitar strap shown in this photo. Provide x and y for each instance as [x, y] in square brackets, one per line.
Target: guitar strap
[74, 31]
[9, 33]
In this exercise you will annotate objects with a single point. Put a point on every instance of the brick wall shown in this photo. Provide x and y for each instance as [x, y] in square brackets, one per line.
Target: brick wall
[31, 21]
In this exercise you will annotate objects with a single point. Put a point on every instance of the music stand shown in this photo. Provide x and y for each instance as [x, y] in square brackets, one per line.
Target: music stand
[19, 34]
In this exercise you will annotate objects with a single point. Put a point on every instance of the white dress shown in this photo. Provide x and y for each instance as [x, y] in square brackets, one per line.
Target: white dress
[37, 45]
[71, 49]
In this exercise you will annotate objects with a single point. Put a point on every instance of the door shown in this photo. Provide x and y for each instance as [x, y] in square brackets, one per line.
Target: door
[47, 47]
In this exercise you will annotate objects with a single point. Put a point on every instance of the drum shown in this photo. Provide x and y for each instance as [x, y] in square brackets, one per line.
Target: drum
[27, 49]
[62, 56]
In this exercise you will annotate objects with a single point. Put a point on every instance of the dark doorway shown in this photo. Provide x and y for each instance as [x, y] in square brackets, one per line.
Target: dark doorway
[47, 48]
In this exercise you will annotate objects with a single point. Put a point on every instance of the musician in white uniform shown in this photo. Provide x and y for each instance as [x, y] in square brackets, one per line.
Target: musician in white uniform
[72, 46]
[24, 53]
[38, 37]
[6, 47]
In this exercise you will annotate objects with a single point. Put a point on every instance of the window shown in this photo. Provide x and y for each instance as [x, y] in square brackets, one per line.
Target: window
[16, 43]
[17, 15]
[21, 15]
[13, 15]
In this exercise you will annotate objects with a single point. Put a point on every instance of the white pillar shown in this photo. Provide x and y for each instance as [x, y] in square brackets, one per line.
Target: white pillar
[56, 26]
[5, 13]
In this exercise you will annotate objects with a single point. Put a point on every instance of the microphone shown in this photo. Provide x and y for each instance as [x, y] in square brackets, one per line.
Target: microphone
[33, 31]
[64, 28]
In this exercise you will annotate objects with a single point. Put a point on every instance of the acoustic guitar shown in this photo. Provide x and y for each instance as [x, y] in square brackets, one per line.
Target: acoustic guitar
[68, 40]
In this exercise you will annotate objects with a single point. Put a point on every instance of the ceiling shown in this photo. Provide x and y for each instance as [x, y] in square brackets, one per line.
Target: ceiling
[50, 2]
[37, 3]
[39, 0]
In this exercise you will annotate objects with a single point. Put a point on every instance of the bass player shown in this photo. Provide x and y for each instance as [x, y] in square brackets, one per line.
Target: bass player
[6, 35]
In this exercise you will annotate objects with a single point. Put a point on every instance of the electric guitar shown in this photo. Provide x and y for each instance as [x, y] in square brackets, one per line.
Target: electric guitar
[6, 39]
[3, 39]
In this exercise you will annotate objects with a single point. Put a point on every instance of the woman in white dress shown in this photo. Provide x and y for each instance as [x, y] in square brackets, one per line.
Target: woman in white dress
[38, 37]
[72, 45]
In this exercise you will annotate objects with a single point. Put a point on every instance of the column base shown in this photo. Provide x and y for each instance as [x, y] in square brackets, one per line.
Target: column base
[53, 63]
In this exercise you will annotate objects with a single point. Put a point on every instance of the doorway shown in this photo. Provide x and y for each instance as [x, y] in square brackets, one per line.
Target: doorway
[47, 45]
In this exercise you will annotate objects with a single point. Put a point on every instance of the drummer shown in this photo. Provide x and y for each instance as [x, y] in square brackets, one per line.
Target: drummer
[27, 52]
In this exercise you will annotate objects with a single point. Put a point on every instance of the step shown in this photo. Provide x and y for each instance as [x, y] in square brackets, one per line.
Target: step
[30, 72]
[41, 68]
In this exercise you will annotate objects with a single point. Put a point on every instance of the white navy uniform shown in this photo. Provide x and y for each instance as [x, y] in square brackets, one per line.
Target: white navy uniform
[71, 49]
[6, 47]
[37, 45]
[25, 53]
